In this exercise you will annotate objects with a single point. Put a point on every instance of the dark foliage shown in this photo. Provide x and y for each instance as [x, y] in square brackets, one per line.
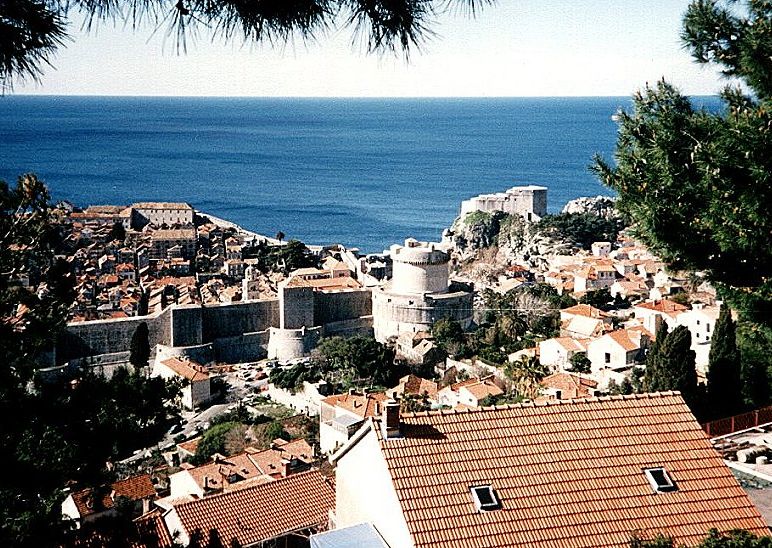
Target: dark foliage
[581, 229]
[724, 372]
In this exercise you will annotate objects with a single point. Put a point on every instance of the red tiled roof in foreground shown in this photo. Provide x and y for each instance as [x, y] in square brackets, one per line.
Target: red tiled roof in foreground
[262, 512]
[568, 474]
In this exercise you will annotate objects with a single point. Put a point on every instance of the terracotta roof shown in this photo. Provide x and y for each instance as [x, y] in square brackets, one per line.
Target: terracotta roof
[190, 446]
[187, 369]
[152, 531]
[95, 500]
[262, 512]
[227, 473]
[415, 385]
[364, 406]
[570, 385]
[584, 310]
[483, 389]
[327, 284]
[623, 339]
[174, 234]
[665, 306]
[135, 488]
[568, 474]
[269, 461]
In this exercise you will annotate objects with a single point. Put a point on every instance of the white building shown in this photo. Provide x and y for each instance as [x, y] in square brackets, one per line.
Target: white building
[340, 416]
[196, 385]
[528, 201]
[701, 323]
[618, 350]
[557, 352]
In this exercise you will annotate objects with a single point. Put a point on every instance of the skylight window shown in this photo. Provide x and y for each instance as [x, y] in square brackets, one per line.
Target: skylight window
[660, 480]
[485, 498]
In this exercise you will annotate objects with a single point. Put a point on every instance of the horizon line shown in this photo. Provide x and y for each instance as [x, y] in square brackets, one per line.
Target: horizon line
[359, 97]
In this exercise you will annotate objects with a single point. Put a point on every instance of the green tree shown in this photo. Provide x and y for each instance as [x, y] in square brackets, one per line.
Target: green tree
[363, 357]
[698, 184]
[724, 371]
[580, 363]
[214, 441]
[139, 348]
[676, 367]
[652, 376]
[31, 30]
[599, 298]
[755, 345]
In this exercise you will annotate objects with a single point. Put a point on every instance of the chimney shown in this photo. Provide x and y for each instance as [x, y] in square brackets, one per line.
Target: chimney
[391, 423]
[285, 467]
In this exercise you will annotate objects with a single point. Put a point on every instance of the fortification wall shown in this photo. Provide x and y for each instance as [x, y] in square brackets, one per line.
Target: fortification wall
[394, 314]
[81, 339]
[337, 306]
[235, 319]
[287, 344]
[201, 353]
[186, 325]
[297, 307]
[243, 348]
[350, 328]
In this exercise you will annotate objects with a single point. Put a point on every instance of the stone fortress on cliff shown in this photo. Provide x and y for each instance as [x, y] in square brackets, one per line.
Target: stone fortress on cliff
[529, 201]
[403, 290]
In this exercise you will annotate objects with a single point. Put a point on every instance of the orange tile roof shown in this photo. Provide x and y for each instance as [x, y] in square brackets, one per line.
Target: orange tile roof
[483, 389]
[269, 461]
[262, 512]
[217, 475]
[94, 500]
[585, 310]
[135, 488]
[190, 446]
[367, 405]
[152, 531]
[666, 306]
[415, 385]
[187, 369]
[623, 339]
[568, 474]
[571, 385]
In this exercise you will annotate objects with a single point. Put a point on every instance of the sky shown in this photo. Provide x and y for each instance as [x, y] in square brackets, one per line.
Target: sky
[514, 48]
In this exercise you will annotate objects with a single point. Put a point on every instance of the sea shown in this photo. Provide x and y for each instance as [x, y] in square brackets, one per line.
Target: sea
[366, 173]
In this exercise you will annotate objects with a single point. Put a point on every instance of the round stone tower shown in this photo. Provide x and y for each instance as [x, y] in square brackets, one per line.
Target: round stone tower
[419, 292]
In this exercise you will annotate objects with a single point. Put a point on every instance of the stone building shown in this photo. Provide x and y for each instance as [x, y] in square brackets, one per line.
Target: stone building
[162, 241]
[161, 213]
[528, 201]
[419, 292]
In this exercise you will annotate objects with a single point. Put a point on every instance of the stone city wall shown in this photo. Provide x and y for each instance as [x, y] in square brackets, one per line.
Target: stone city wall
[336, 306]
[235, 319]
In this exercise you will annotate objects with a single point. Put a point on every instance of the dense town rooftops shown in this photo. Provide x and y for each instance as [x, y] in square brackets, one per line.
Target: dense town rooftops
[174, 234]
[262, 512]
[580, 473]
[665, 306]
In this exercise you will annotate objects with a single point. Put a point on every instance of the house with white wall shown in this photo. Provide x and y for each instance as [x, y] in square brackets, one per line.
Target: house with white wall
[479, 477]
[342, 414]
[196, 389]
[618, 350]
[557, 352]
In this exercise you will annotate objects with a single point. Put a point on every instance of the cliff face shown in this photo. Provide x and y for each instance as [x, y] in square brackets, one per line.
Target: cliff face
[602, 206]
[499, 240]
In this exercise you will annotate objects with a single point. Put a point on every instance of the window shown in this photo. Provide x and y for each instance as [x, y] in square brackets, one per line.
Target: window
[485, 498]
[660, 480]
[608, 357]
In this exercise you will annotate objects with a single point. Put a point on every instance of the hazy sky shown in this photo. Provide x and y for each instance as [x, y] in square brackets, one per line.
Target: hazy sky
[515, 48]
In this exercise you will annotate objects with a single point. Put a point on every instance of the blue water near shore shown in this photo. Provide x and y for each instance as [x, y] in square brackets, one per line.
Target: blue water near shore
[363, 172]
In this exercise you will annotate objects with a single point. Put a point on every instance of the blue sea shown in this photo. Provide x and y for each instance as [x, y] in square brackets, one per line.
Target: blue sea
[362, 172]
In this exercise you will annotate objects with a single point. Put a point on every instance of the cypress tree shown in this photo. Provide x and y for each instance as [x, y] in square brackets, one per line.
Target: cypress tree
[652, 377]
[677, 365]
[139, 350]
[724, 382]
